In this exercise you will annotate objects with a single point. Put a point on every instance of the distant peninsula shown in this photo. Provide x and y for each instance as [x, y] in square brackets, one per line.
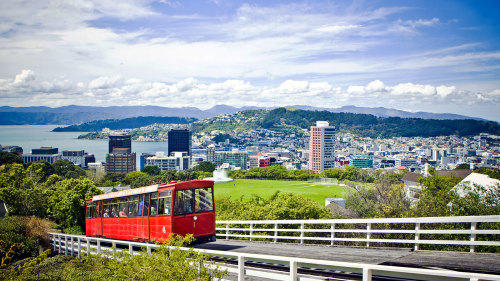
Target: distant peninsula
[127, 123]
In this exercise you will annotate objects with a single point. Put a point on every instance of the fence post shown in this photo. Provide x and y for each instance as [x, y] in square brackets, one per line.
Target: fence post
[251, 231]
[54, 241]
[149, 249]
[275, 232]
[65, 245]
[293, 270]
[130, 249]
[417, 235]
[79, 247]
[473, 227]
[241, 268]
[332, 236]
[113, 245]
[367, 274]
[88, 246]
[72, 247]
[368, 234]
[99, 246]
[227, 231]
[302, 233]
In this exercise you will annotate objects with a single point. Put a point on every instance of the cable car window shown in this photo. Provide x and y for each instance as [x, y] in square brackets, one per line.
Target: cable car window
[97, 211]
[203, 199]
[165, 202]
[114, 208]
[89, 210]
[132, 205]
[123, 210]
[154, 204]
[107, 209]
[143, 204]
[183, 202]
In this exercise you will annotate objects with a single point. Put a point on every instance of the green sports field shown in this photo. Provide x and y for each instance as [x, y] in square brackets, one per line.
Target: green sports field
[266, 188]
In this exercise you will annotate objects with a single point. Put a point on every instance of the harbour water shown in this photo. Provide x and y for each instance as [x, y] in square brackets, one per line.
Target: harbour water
[36, 136]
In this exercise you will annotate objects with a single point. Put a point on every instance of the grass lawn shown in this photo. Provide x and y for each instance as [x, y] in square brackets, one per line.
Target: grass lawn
[266, 188]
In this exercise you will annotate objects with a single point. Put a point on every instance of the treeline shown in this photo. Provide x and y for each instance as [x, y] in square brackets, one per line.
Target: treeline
[127, 123]
[348, 173]
[370, 126]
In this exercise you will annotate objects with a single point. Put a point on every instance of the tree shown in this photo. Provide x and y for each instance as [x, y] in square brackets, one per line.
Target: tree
[205, 166]
[9, 158]
[20, 193]
[67, 204]
[137, 179]
[39, 171]
[152, 170]
[113, 177]
[67, 169]
[463, 167]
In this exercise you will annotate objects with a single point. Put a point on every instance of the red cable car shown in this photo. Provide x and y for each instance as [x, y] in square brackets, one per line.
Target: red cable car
[151, 213]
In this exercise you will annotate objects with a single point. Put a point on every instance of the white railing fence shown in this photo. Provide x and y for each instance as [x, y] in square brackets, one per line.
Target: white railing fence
[466, 231]
[77, 245]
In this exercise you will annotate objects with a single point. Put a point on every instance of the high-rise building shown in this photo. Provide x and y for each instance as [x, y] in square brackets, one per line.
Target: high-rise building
[322, 147]
[120, 158]
[122, 141]
[120, 163]
[211, 153]
[179, 141]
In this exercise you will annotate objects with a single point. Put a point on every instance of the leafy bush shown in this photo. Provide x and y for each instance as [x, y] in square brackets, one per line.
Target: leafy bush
[21, 237]
[281, 206]
[165, 263]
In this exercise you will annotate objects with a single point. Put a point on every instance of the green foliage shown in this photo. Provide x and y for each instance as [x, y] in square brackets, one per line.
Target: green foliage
[39, 171]
[9, 158]
[167, 262]
[462, 167]
[19, 192]
[114, 177]
[371, 126]
[205, 166]
[66, 206]
[137, 179]
[152, 170]
[384, 199]
[20, 238]
[492, 173]
[67, 169]
[274, 172]
[223, 137]
[281, 206]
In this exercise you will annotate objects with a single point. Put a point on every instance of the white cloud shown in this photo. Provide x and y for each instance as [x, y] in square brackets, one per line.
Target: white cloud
[25, 76]
[103, 91]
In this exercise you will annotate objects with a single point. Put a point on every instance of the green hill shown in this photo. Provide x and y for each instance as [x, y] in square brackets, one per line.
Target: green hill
[127, 123]
[371, 126]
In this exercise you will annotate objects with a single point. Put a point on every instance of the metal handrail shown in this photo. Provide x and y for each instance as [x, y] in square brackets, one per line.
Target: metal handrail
[65, 244]
[334, 227]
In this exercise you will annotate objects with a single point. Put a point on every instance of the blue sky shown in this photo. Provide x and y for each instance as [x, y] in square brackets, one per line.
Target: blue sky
[436, 56]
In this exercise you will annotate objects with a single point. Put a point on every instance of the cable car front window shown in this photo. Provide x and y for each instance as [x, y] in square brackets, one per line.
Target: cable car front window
[183, 202]
[154, 204]
[165, 202]
[203, 199]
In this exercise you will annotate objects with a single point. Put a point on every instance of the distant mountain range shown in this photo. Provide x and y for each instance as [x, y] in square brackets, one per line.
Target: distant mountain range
[73, 114]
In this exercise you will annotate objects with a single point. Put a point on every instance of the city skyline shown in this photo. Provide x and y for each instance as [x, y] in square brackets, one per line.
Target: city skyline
[433, 56]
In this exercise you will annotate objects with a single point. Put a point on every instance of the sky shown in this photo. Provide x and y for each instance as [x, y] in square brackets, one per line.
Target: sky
[434, 56]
